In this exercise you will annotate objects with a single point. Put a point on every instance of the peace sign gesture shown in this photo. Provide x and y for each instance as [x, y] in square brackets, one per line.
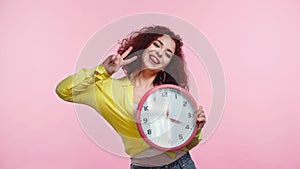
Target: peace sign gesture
[114, 62]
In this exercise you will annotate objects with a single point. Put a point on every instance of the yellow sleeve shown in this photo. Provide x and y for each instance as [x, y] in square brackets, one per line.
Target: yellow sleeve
[195, 141]
[79, 87]
[93, 87]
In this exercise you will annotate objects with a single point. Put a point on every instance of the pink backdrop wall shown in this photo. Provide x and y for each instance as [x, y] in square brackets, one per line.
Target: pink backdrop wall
[258, 45]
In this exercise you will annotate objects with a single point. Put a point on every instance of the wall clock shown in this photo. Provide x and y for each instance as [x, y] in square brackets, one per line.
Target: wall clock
[166, 117]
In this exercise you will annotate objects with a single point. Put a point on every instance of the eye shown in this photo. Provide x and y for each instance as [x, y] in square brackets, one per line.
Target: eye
[169, 54]
[156, 44]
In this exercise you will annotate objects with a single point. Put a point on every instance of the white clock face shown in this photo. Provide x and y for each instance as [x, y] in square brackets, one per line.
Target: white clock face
[166, 117]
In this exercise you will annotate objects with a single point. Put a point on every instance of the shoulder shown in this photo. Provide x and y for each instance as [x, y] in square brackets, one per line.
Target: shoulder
[124, 80]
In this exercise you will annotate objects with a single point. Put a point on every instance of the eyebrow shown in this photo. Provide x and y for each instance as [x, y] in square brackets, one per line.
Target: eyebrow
[163, 44]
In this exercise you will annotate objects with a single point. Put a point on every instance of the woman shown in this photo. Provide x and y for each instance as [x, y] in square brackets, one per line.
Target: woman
[149, 57]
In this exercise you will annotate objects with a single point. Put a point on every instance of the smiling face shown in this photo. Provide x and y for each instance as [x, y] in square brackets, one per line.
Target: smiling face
[158, 54]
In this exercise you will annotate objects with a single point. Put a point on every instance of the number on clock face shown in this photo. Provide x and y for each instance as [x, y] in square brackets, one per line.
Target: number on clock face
[167, 118]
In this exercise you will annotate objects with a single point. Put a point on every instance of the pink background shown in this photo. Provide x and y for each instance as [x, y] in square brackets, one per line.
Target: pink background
[258, 45]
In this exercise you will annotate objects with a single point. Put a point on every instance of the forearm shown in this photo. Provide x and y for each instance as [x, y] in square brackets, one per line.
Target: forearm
[75, 84]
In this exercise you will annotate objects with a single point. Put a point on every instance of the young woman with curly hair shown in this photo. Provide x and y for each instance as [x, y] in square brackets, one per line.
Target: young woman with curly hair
[149, 57]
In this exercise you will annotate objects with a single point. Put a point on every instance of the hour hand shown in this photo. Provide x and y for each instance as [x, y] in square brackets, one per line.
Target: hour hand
[176, 121]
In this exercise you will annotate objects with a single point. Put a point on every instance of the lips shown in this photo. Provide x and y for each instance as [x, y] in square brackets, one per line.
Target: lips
[154, 59]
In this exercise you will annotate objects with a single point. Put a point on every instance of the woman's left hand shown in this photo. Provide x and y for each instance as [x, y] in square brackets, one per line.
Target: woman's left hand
[200, 117]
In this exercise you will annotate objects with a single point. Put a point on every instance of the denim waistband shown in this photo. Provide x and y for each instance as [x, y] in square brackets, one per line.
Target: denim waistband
[181, 161]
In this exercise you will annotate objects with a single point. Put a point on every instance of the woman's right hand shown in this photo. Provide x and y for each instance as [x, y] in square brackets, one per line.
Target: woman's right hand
[114, 62]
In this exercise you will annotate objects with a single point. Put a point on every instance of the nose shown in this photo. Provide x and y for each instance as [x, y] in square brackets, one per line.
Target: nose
[160, 52]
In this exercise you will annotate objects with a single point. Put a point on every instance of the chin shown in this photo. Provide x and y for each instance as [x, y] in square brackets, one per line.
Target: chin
[152, 69]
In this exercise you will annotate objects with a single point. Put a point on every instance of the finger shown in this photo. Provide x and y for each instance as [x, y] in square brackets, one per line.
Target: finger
[110, 59]
[128, 61]
[201, 115]
[117, 59]
[127, 52]
[201, 120]
[200, 108]
[113, 57]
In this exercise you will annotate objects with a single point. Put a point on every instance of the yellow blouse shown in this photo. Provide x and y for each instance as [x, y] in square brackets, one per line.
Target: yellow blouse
[113, 99]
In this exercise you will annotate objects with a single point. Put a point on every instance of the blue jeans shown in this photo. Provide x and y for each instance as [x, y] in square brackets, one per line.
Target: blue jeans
[184, 162]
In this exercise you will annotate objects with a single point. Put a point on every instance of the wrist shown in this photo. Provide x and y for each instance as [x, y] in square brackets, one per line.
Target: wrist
[101, 72]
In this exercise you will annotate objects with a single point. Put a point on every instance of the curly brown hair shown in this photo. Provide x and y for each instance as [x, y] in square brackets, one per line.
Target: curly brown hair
[174, 73]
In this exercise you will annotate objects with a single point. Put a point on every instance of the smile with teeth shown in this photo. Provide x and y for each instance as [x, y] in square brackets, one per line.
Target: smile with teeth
[154, 59]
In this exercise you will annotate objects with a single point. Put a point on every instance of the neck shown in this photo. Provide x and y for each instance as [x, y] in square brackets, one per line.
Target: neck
[144, 79]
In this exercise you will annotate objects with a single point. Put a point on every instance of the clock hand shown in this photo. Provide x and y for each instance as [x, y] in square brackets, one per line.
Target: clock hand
[176, 121]
[167, 112]
[173, 120]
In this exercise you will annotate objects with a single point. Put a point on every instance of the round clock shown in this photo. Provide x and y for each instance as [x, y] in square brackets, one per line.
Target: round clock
[166, 117]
